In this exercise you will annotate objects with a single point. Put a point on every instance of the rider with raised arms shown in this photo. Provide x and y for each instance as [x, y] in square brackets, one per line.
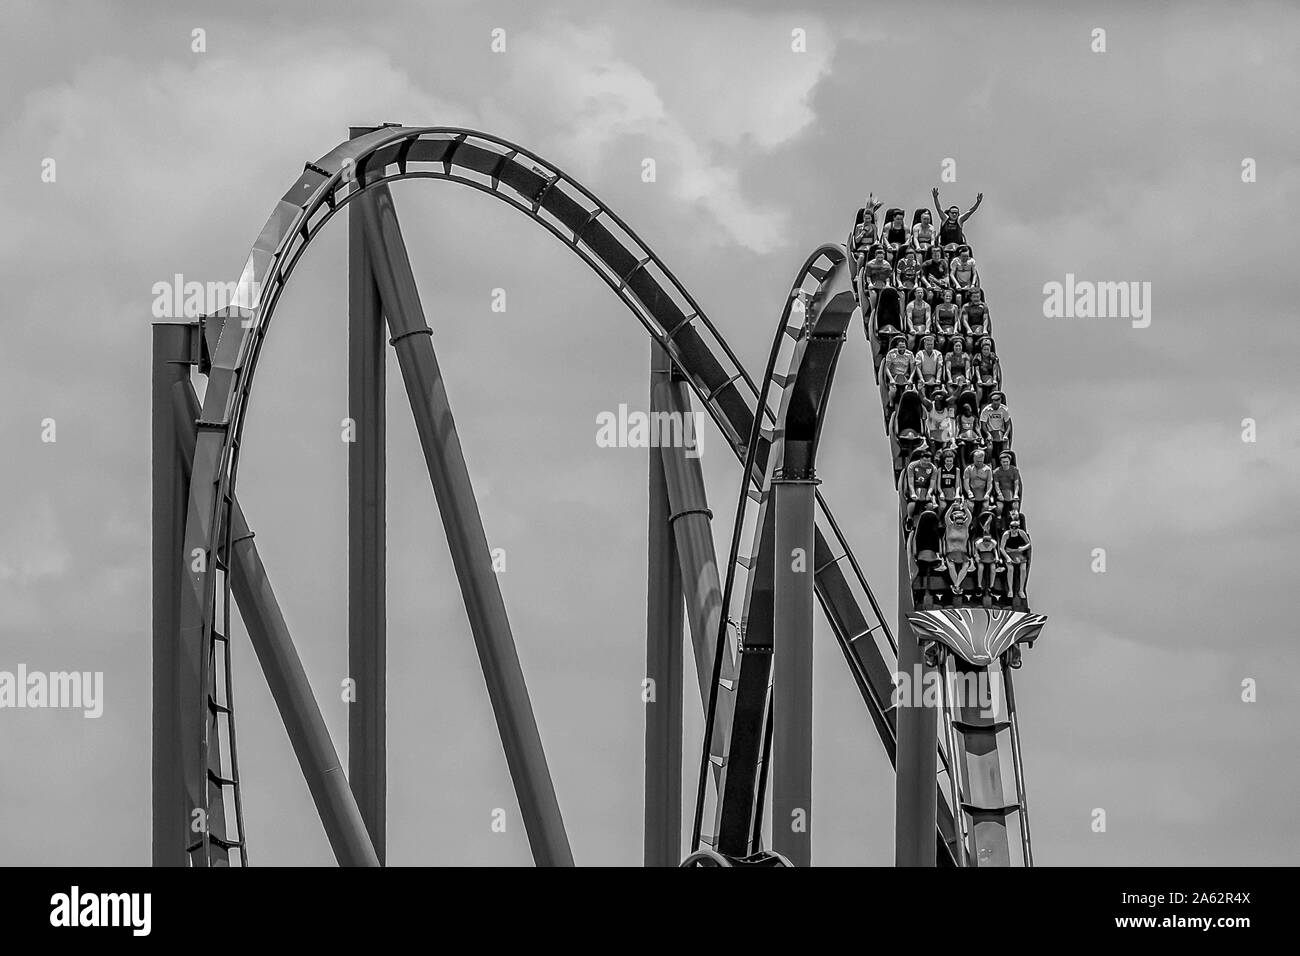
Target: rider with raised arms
[951, 234]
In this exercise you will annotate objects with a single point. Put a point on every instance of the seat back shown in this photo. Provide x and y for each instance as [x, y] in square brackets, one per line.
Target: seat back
[888, 309]
[927, 534]
[909, 419]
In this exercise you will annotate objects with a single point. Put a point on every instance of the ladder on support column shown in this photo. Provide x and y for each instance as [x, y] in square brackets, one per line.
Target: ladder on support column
[221, 835]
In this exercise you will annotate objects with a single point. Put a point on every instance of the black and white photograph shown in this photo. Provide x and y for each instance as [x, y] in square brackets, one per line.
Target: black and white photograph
[493, 434]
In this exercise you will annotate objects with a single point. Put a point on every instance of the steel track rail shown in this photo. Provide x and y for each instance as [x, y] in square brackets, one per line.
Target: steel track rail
[592, 231]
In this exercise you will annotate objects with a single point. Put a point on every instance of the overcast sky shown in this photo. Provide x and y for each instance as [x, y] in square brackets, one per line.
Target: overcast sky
[1116, 166]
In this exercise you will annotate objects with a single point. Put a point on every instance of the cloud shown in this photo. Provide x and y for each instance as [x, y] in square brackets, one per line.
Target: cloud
[697, 125]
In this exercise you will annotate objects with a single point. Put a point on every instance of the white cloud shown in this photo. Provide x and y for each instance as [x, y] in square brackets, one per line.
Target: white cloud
[699, 132]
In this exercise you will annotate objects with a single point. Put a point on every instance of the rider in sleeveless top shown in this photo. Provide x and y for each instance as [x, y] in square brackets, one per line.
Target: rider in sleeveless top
[865, 234]
[895, 237]
[866, 217]
[916, 319]
[958, 366]
[987, 370]
[986, 555]
[951, 234]
[864, 237]
[956, 543]
[1016, 549]
[945, 320]
[923, 234]
[975, 316]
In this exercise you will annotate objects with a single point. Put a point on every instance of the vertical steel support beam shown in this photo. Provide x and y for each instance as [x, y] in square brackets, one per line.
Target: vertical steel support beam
[691, 517]
[285, 676]
[367, 621]
[982, 772]
[664, 657]
[792, 676]
[413, 341]
[171, 365]
[917, 764]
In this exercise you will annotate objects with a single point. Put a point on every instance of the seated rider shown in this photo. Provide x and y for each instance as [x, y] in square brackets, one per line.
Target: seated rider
[1016, 549]
[961, 270]
[877, 273]
[947, 480]
[986, 552]
[934, 275]
[951, 234]
[864, 237]
[927, 372]
[895, 237]
[975, 317]
[898, 365]
[940, 427]
[995, 423]
[957, 371]
[977, 483]
[864, 223]
[924, 234]
[1006, 487]
[916, 319]
[956, 543]
[968, 433]
[918, 483]
[945, 320]
[908, 272]
[986, 370]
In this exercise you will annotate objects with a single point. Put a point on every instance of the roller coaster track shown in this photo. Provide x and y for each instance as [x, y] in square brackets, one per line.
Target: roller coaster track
[213, 527]
[975, 646]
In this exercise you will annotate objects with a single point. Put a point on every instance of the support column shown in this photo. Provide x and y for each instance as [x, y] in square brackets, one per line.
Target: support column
[664, 657]
[792, 676]
[285, 676]
[413, 341]
[917, 764]
[691, 517]
[171, 365]
[367, 620]
[982, 768]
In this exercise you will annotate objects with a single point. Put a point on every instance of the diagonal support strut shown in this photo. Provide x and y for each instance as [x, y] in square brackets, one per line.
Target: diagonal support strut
[463, 526]
[269, 635]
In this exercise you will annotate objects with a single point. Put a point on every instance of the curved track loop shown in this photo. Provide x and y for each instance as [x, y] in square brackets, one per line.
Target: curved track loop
[817, 341]
[595, 234]
[808, 350]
